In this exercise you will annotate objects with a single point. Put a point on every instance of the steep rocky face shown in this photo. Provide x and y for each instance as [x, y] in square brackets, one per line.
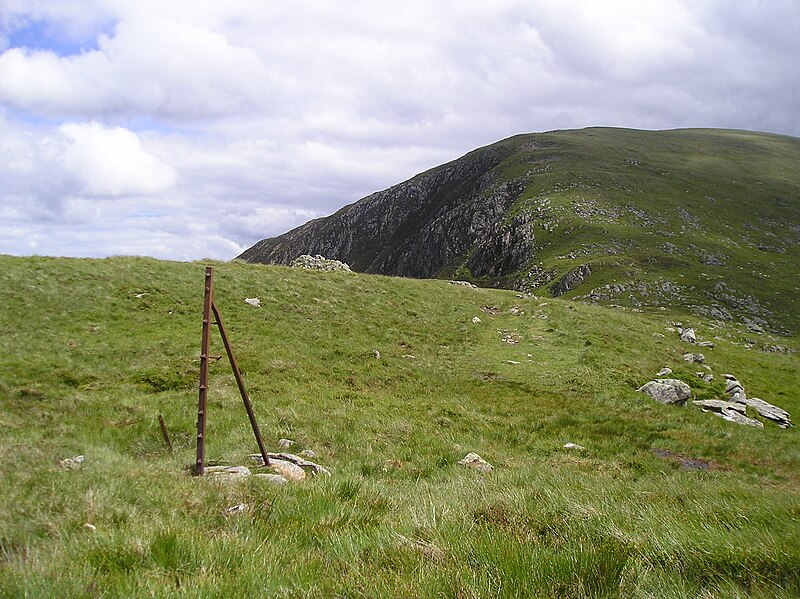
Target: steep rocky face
[419, 227]
[705, 219]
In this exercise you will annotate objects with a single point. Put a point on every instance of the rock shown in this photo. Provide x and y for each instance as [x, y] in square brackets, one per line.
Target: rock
[696, 358]
[476, 320]
[737, 417]
[239, 508]
[688, 335]
[718, 405]
[491, 310]
[571, 280]
[319, 262]
[285, 443]
[288, 470]
[308, 453]
[253, 301]
[573, 446]
[708, 344]
[732, 385]
[664, 371]
[769, 411]
[377, 354]
[72, 463]
[275, 479]
[707, 377]
[463, 284]
[476, 462]
[227, 473]
[667, 391]
[90, 527]
[294, 459]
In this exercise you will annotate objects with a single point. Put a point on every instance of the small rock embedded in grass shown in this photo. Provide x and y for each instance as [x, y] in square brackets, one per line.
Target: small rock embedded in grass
[227, 473]
[694, 358]
[90, 527]
[72, 463]
[664, 371]
[308, 453]
[476, 462]
[253, 301]
[573, 446]
[476, 320]
[688, 335]
[285, 443]
[288, 470]
[239, 508]
[377, 354]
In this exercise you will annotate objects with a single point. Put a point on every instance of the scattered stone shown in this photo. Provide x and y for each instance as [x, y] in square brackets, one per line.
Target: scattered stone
[769, 411]
[285, 443]
[288, 470]
[688, 336]
[308, 453]
[239, 508]
[573, 446]
[319, 262]
[476, 462]
[667, 391]
[476, 320]
[515, 311]
[72, 463]
[253, 301]
[464, 284]
[275, 479]
[492, 310]
[664, 371]
[90, 527]
[734, 416]
[718, 405]
[695, 358]
[377, 354]
[706, 376]
[227, 473]
[708, 344]
[512, 362]
[294, 459]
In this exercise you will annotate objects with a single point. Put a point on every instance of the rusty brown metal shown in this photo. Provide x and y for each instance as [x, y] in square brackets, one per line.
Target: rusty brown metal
[208, 299]
[239, 381]
[164, 432]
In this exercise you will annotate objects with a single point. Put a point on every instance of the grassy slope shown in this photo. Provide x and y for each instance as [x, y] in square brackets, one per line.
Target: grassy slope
[87, 366]
[739, 189]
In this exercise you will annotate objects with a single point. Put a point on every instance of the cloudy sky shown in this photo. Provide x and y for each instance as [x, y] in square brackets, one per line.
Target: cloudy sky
[186, 129]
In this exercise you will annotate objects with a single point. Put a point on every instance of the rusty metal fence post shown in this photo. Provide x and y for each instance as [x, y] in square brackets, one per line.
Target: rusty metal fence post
[208, 298]
[208, 308]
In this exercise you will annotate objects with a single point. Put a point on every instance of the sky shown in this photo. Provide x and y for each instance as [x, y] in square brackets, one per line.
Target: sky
[190, 129]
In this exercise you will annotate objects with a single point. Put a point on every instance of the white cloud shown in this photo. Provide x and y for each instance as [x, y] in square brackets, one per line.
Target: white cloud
[209, 124]
[110, 162]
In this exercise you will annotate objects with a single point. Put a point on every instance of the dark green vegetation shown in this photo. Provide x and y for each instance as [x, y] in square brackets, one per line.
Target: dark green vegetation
[705, 219]
[93, 350]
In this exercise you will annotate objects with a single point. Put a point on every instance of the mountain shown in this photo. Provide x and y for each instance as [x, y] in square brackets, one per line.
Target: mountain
[703, 219]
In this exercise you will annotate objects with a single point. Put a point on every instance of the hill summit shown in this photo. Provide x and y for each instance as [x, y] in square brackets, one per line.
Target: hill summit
[702, 219]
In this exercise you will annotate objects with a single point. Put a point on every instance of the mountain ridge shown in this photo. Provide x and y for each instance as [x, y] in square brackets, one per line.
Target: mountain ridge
[606, 215]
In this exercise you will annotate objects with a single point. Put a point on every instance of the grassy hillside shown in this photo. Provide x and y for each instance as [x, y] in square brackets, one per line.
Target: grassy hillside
[93, 350]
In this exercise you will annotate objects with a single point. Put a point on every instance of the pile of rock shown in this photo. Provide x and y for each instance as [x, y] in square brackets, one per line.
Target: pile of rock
[736, 393]
[319, 262]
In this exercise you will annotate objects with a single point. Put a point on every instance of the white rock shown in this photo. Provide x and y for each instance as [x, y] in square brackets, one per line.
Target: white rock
[573, 446]
[239, 508]
[668, 391]
[90, 527]
[72, 463]
[288, 470]
[308, 453]
[664, 371]
[285, 443]
[476, 320]
[253, 301]
[688, 336]
[476, 462]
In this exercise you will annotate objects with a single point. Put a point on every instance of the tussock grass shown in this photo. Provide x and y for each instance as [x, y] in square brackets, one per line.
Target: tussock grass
[87, 367]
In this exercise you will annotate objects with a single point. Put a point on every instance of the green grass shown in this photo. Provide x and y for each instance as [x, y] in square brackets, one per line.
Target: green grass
[87, 366]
